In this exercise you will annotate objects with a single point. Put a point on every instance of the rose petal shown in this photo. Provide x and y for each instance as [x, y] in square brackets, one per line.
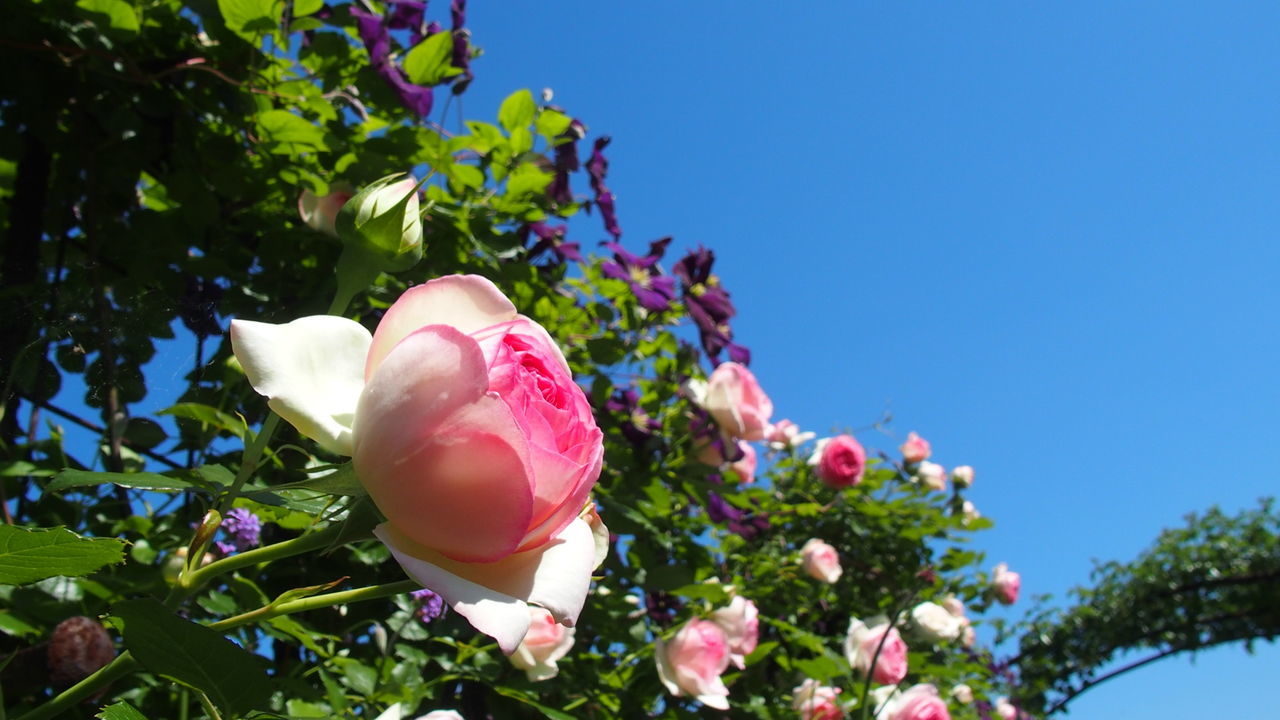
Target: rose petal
[465, 302]
[492, 596]
[311, 370]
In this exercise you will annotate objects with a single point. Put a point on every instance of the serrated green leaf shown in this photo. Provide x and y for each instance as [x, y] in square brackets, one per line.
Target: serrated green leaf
[517, 110]
[120, 711]
[427, 63]
[117, 14]
[193, 655]
[68, 479]
[28, 555]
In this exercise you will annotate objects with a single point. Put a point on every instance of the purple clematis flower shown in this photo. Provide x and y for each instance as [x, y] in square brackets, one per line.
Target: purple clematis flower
[709, 305]
[637, 426]
[374, 31]
[461, 57]
[550, 238]
[566, 162]
[652, 289]
[431, 606]
[597, 168]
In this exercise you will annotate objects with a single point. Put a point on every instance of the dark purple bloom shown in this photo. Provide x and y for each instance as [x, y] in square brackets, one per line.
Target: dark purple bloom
[652, 289]
[550, 238]
[461, 57]
[708, 305]
[637, 425]
[408, 15]
[374, 31]
[566, 161]
[242, 529]
[431, 605]
[597, 168]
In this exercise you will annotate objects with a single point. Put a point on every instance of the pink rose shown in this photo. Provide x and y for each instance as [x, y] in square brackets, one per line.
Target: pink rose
[969, 637]
[741, 624]
[784, 434]
[546, 642]
[915, 449]
[745, 467]
[1006, 584]
[321, 212]
[468, 432]
[962, 693]
[954, 606]
[962, 476]
[692, 662]
[931, 475]
[839, 461]
[821, 561]
[919, 702]
[1005, 709]
[817, 702]
[861, 646]
[735, 400]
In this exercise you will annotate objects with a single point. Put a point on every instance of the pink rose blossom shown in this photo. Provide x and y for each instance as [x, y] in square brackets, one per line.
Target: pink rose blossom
[861, 646]
[546, 642]
[817, 702]
[953, 605]
[915, 449]
[1006, 584]
[468, 432]
[741, 624]
[735, 400]
[821, 561]
[931, 475]
[962, 476]
[784, 434]
[1005, 709]
[692, 662]
[745, 467]
[969, 637]
[839, 461]
[321, 212]
[919, 702]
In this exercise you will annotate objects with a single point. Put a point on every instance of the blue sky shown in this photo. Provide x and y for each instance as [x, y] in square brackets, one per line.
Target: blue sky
[1042, 236]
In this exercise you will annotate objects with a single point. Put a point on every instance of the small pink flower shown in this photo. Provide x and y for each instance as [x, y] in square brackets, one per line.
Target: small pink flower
[1005, 709]
[1006, 584]
[321, 212]
[962, 693]
[741, 624]
[821, 561]
[745, 467]
[839, 461]
[931, 475]
[784, 434]
[915, 449]
[954, 605]
[919, 702]
[962, 476]
[861, 646]
[546, 642]
[735, 400]
[692, 662]
[969, 637]
[817, 702]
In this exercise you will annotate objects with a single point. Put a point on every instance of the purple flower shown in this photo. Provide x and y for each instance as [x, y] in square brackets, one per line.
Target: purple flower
[597, 168]
[374, 31]
[431, 606]
[566, 161]
[652, 289]
[408, 15]
[708, 305]
[461, 57]
[550, 238]
[637, 425]
[242, 529]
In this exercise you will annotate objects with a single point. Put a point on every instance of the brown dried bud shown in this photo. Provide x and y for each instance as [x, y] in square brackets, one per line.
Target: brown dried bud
[80, 647]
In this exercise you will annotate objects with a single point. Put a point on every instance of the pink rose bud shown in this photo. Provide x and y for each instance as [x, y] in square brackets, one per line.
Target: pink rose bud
[745, 468]
[1006, 583]
[1005, 709]
[919, 702]
[469, 433]
[741, 624]
[735, 400]
[962, 476]
[915, 449]
[861, 645]
[931, 475]
[962, 694]
[692, 662]
[817, 702]
[821, 561]
[320, 212]
[546, 642]
[839, 461]
[785, 434]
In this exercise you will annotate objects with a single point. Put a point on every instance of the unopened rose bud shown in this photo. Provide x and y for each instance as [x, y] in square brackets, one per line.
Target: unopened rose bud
[321, 211]
[80, 646]
[962, 476]
[915, 449]
[931, 475]
[380, 224]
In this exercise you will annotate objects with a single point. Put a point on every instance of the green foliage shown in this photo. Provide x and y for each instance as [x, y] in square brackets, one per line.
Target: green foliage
[28, 555]
[1211, 582]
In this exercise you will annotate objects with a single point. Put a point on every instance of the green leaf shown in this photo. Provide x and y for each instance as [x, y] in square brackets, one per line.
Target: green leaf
[342, 481]
[525, 179]
[552, 122]
[517, 110]
[28, 555]
[120, 711]
[466, 175]
[207, 415]
[428, 62]
[250, 18]
[306, 7]
[285, 128]
[546, 711]
[68, 479]
[193, 655]
[118, 14]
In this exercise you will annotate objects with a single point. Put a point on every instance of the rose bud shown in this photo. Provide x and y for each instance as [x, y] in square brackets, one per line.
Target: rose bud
[817, 702]
[546, 642]
[1006, 584]
[839, 461]
[692, 662]
[821, 561]
[862, 644]
[931, 475]
[380, 225]
[321, 212]
[915, 449]
[962, 693]
[962, 476]
[468, 432]
[1005, 709]
[935, 623]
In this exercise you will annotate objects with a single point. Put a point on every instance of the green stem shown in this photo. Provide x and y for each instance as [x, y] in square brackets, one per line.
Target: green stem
[268, 553]
[65, 700]
[207, 704]
[341, 597]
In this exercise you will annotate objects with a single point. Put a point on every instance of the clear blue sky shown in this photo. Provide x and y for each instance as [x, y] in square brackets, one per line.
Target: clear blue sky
[1043, 236]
